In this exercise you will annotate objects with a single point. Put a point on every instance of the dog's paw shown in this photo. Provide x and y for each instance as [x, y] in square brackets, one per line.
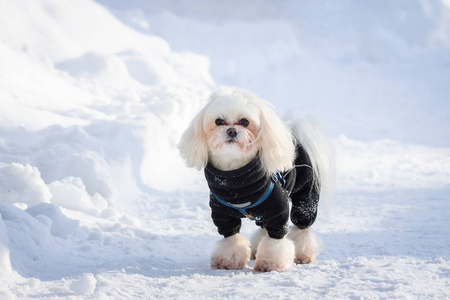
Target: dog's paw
[274, 255]
[269, 266]
[307, 245]
[228, 263]
[304, 259]
[231, 253]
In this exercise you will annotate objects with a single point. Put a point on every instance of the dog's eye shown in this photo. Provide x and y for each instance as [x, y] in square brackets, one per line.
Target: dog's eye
[220, 122]
[244, 122]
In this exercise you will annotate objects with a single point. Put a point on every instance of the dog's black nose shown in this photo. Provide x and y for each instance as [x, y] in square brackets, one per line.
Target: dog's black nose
[232, 132]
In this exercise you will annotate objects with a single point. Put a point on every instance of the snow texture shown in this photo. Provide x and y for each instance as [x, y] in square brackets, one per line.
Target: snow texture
[95, 201]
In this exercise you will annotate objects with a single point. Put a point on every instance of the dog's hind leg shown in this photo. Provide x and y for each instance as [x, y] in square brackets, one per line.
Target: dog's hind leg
[307, 245]
[256, 239]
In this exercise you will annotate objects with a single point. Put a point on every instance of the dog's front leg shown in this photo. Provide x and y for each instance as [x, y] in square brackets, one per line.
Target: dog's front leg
[274, 255]
[231, 253]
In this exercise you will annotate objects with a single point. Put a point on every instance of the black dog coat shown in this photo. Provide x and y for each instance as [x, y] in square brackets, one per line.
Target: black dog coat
[251, 192]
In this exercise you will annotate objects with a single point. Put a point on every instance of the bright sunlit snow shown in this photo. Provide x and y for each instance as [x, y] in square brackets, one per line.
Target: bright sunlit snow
[95, 202]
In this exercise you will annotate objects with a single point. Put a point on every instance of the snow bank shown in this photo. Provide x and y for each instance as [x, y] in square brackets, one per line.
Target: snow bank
[22, 184]
[58, 74]
[51, 216]
[91, 114]
[71, 193]
[96, 202]
[5, 264]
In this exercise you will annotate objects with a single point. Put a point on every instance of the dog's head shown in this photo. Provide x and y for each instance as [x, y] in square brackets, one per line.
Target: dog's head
[234, 127]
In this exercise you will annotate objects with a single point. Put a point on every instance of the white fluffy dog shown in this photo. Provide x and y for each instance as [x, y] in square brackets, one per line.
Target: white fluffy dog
[255, 165]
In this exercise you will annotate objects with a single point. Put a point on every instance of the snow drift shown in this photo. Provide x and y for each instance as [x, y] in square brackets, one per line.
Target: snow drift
[95, 200]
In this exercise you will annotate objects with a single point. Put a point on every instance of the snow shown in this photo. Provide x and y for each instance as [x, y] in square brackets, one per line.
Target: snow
[85, 285]
[22, 184]
[95, 201]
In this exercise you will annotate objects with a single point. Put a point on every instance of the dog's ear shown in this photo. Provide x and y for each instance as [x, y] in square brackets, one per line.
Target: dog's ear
[193, 144]
[277, 141]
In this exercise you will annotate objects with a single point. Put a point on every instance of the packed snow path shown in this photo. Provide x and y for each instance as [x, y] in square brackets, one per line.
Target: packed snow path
[95, 202]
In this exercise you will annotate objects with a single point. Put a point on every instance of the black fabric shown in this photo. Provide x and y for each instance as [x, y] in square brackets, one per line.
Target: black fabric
[304, 196]
[247, 185]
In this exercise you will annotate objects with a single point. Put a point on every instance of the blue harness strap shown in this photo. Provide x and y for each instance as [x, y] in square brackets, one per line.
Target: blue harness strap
[243, 210]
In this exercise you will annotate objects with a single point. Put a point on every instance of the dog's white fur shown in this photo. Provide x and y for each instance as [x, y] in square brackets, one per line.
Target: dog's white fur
[231, 253]
[204, 141]
[307, 245]
[274, 140]
[274, 254]
[256, 239]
